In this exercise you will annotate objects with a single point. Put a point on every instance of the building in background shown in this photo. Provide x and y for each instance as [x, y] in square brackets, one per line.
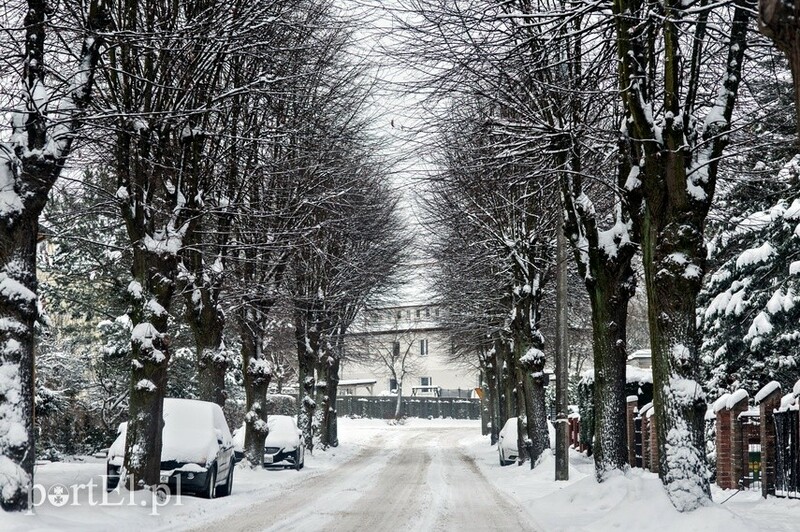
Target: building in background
[405, 344]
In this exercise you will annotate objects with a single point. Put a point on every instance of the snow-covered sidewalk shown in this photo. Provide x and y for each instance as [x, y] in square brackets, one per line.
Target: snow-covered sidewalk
[634, 501]
[86, 512]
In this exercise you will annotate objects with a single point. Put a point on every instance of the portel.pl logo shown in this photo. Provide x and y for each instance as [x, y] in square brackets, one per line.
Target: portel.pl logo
[95, 494]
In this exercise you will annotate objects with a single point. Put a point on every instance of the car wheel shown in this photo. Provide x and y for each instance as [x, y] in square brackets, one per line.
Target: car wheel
[211, 483]
[297, 463]
[112, 479]
[503, 461]
[227, 488]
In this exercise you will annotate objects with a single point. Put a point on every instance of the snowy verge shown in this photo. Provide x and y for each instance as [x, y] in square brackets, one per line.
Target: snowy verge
[122, 513]
[635, 500]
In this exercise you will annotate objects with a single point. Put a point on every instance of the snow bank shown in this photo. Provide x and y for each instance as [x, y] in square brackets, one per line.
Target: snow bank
[635, 500]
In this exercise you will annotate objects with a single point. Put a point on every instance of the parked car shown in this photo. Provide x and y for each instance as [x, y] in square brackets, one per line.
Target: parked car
[284, 445]
[507, 442]
[196, 453]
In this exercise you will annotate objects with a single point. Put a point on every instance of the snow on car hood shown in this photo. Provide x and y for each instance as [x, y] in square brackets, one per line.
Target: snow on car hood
[189, 433]
[283, 432]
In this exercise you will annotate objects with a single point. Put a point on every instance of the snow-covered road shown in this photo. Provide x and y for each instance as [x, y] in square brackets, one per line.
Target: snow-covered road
[411, 478]
[424, 475]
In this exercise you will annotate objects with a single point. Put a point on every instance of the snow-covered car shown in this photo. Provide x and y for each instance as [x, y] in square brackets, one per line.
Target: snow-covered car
[196, 452]
[284, 444]
[507, 442]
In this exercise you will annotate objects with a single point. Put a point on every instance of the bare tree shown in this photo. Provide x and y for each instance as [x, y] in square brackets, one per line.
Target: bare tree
[674, 158]
[42, 138]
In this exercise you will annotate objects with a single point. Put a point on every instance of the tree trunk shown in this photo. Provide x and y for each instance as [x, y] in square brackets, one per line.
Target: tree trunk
[151, 293]
[530, 379]
[257, 374]
[678, 399]
[207, 323]
[307, 348]
[780, 21]
[18, 310]
[30, 164]
[328, 436]
[609, 294]
[399, 402]
[490, 371]
[507, 382]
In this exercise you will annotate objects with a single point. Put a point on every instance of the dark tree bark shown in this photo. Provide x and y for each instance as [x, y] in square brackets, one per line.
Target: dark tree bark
[610, 282]
[30, 164]
[677, 165]
[257, 372]
[780, 21]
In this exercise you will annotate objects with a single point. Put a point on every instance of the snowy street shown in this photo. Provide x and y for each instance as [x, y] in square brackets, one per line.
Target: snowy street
[420, 476]
[408, 478]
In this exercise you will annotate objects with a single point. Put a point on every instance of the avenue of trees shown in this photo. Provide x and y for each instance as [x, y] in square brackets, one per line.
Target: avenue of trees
[206, 192]
[619, 117]
[219, 193]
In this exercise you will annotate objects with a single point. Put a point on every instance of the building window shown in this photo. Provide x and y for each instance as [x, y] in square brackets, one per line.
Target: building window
[408, 314]
[419, 313]
[392, 385]
[399, 314]
[396, 349]
[425, 381]
[436, 312]
[427, 312]
[423, 347]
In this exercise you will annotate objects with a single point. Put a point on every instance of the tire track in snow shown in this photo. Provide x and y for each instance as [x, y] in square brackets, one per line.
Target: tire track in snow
[472, 502]
[396, 500]
[306, 501]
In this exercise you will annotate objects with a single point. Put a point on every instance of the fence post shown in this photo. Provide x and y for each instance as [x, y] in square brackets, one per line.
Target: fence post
[655, 467]
[729, 438]
[631, 429]
[768, 400]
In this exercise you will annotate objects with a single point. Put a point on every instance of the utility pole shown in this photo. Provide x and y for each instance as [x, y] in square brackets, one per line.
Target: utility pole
[562, 353]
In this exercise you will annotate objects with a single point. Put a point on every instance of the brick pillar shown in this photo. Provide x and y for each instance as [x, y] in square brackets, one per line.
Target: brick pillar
[722, 427]
[645, 438]
[767, 406]
[654, 465]
[631, 428]
[737, 451]
[730, 458]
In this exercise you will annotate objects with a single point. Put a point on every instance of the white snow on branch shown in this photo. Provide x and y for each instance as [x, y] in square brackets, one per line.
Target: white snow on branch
[146, 385]
[10, 202]
[761, 326]
[755, 255]
[780, 301]
[13, 290]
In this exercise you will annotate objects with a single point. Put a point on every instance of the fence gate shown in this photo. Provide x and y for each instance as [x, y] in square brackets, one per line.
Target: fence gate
[749, 427]
[787, 457]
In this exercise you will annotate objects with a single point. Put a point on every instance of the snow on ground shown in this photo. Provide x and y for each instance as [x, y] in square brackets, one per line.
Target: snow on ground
[89, 512]
[374, 454]
[634, 501]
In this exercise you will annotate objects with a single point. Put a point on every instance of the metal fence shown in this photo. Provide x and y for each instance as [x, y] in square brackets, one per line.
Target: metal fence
[787, 454]
[424, 407]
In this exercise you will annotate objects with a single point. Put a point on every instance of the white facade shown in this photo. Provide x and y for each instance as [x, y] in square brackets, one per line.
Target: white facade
[406, 338]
